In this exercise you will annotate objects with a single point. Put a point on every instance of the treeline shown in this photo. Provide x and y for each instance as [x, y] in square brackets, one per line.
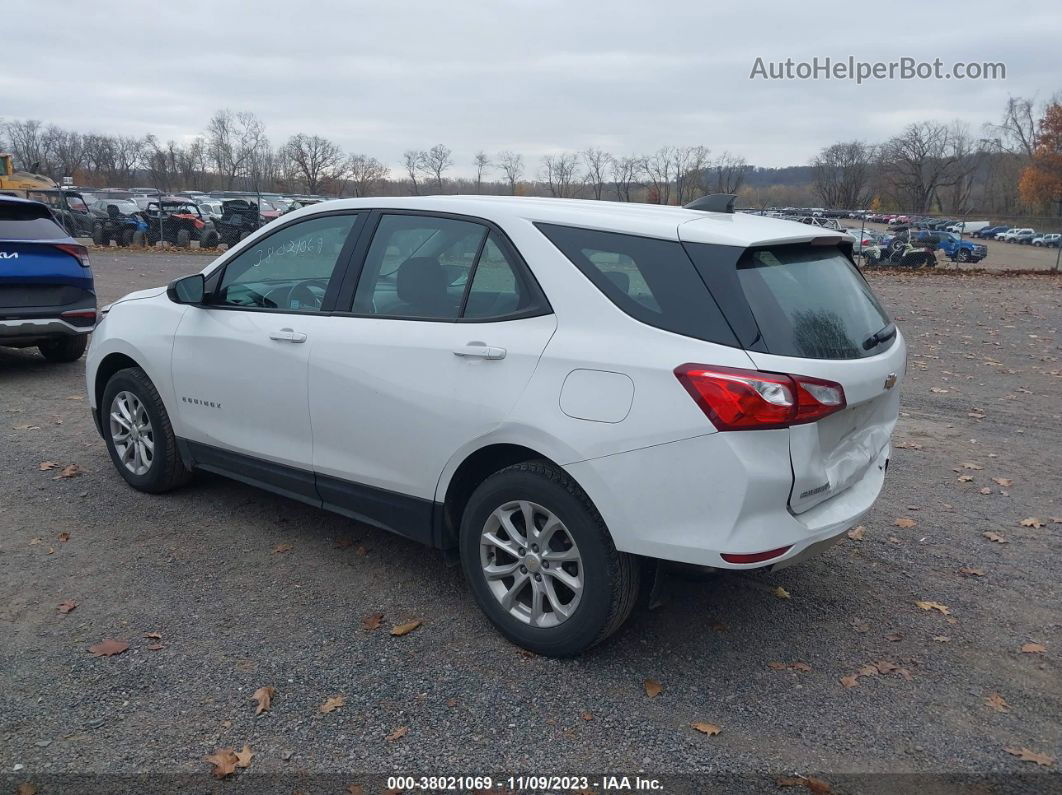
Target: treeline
[235, 152]
[1010, 168]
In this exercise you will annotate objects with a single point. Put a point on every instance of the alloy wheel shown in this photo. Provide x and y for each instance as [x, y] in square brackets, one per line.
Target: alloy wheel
[131, 433]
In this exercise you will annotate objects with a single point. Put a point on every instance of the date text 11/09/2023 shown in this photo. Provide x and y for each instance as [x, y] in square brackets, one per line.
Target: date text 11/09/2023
[532, 783]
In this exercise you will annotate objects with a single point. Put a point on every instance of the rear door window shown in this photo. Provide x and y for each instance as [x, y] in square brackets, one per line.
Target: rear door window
[651, 280]
[810, 301]
[27, 222]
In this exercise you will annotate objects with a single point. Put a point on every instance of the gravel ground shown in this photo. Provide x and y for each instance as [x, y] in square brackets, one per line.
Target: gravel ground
[249, 590]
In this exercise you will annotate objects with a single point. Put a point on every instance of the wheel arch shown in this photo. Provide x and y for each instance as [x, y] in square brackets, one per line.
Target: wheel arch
[105, 370]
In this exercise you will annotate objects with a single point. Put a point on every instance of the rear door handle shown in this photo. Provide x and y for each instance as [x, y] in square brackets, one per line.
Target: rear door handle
[480, 350]
[287, 335]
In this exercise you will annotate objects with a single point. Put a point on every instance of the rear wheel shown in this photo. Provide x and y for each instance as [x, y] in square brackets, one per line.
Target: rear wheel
[64, 349]
[139, 436]
[541, 563]
[209, 240]
[127, 237]
[97, 234]
[184, 238]
[139, 238]
[964, 255]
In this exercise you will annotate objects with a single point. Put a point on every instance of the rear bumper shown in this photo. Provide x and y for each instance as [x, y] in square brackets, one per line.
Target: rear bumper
[26, 324]
[693, 500]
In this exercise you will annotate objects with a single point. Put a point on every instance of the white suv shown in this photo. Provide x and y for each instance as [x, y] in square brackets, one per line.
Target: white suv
[562, 391]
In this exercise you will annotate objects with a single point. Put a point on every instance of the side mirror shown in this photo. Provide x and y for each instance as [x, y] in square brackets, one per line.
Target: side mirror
[187, 289]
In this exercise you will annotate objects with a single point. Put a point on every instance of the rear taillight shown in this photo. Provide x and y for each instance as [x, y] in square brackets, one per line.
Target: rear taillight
[80, 317]
[754, 557]
[75, 250]
[744, 400]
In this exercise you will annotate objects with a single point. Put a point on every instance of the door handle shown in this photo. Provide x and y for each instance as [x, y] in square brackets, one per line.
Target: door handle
[480, 350]
[287, 335]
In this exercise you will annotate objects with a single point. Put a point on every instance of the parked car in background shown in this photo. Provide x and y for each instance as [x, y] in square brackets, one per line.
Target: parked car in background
[1023, 236]
[952, 246]
[118, 220]
[1050, 241]
[462, 386]
[967, 227]
[47, 295]
[990, 232]
[1007, 234]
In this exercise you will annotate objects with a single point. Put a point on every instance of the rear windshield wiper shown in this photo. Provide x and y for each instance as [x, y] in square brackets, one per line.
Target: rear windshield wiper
[878, 337]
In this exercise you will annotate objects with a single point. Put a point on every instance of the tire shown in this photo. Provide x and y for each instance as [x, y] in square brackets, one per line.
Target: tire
[139, 238]
[64, 349]
[127, 237]
[165, 470]
[209, 240]
[97, 234]
[609, 579]
[963, 255]
[184, 238]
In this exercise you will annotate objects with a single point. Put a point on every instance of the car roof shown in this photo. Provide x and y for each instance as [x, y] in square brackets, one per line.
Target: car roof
[19, 200]
[650, 220]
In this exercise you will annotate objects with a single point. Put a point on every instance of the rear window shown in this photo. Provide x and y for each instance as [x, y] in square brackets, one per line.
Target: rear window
[810, 301]
[27, 222]
[651, 280]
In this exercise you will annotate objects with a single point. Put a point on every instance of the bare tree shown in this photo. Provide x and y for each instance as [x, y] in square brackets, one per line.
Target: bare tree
[688, 164]
[658, 170]
[560, 172]
[924, 158]
[481, 163]
[625, 172]
[1017, 130]
[437, 161]
[233, 143]
[597, 163]
[366, 173]
[66, 150]
[842, 174]
[513, 166]
[730, 171]
[129, 154]
[26, 139]
[414, 165]
[316, 159]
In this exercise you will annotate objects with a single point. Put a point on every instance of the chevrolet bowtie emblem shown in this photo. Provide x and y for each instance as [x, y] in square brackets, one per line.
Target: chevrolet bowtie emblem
[890, 381]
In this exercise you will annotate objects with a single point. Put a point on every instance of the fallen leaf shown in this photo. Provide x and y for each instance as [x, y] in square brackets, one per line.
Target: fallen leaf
[886, 667]
[1032, 521]
[66, 606]
[344, 543]
[355, 789]
[817, 785]
[280, 549]
[243, 758]
[108, 647]
[967, 571]
[781, 592]
[44, 466]
[942, 609]
[361, 551]
[776, 666]
[1025, 755]
[26, 788]
[370, 623]
[652, 688]
[69, 471]
[34, 542]
[156, 647]
[857, 533]
[64, 537]
[76, 397]
[997, 702]
[586, 715]
[224, 761]
[941, 638]
[153, 635]
[903, 521]
[264, 697]
[985, 490]
[404, 629]
[991, 536]
[965, 478]
[1033, 648]
[936, 390]
[800, 666]
[332, 704]
[1005, 482]
[51, 550]
[894, 637]
[972, 465]
[398, 733]
[707, 728]
[850, 681]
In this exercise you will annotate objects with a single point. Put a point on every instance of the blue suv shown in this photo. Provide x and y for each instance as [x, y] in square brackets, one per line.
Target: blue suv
[47, 297]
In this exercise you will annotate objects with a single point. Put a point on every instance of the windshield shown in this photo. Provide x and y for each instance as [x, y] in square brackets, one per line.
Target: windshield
[810, 301]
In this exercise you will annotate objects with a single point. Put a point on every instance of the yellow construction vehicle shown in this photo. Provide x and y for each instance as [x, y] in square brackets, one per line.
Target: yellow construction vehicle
[16, 183]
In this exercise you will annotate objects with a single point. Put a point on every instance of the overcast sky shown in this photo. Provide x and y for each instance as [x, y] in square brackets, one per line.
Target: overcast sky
[533, 76]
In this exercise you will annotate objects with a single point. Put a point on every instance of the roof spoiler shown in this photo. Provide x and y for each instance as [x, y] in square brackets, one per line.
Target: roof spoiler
[714, 203]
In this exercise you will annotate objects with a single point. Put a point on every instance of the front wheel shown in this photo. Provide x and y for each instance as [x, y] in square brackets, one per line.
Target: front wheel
[964, 255]
[139, 436]
[541, 563]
